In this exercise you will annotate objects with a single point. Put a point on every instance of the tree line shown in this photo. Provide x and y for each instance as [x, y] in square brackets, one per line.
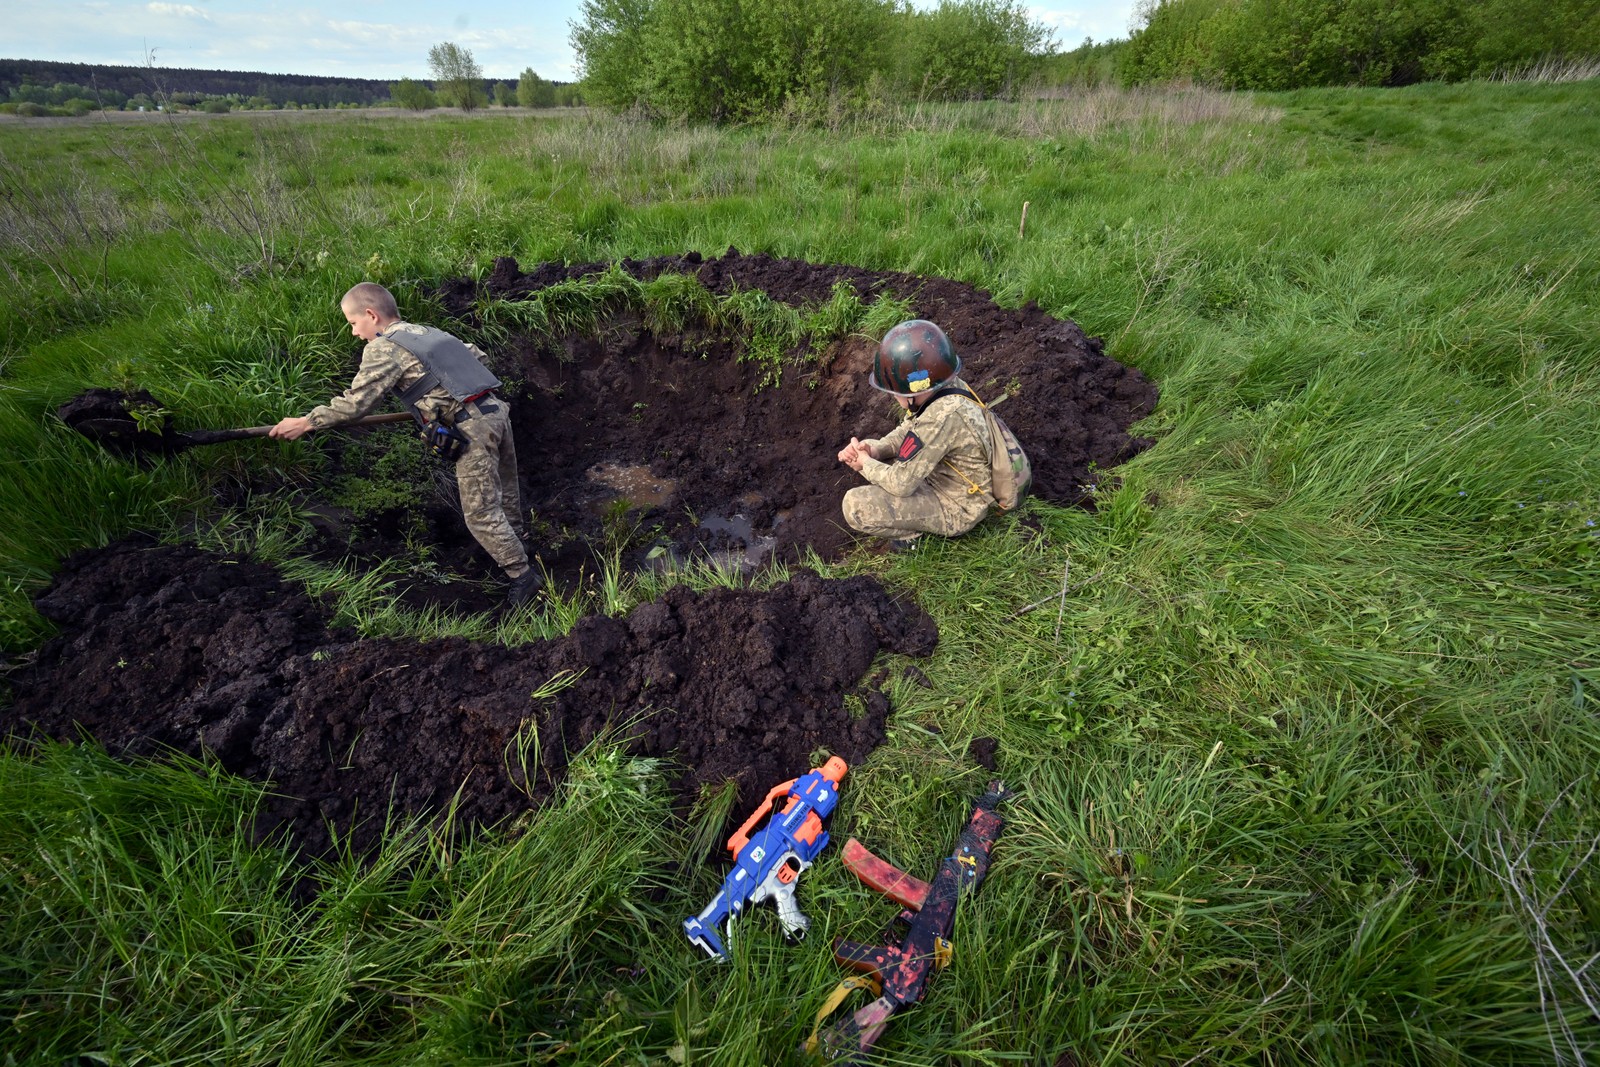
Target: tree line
[1289, 44]
[458, 81]
[733, 60]
[35, 88]
[54, 84]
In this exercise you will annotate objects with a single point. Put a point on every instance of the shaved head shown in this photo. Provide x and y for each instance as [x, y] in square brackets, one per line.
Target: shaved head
[371, 295]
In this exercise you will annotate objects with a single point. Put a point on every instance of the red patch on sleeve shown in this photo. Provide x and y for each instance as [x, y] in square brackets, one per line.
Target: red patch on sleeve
[910, 446]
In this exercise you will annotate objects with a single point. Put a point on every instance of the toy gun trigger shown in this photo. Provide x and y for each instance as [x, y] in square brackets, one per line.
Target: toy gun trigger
[779, 886]
[900, 887]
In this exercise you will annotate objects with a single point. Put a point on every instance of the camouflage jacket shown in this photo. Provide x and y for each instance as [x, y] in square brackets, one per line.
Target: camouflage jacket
[385, 366]
[950, 432]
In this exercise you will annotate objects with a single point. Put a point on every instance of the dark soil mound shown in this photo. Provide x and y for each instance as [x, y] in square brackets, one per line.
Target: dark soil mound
[106, 416]
[178, 648]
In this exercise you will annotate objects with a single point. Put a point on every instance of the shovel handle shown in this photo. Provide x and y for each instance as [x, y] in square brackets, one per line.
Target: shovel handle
[212, 437]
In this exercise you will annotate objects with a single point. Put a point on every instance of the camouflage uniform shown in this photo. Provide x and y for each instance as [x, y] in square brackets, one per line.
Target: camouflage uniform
[915, 490]
[486, 473]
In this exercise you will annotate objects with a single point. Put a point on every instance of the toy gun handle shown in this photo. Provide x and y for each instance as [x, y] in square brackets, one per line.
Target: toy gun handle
[779, 886]
[849, 1039]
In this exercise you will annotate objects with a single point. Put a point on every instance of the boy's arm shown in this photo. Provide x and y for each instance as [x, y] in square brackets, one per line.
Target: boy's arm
[377, 375]
[918, 448]
[884, 448]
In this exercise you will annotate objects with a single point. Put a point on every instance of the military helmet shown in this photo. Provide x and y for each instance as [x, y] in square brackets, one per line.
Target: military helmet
[914, 357]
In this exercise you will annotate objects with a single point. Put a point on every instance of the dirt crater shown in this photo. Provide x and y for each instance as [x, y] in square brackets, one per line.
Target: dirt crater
[763, 460]
[636, 447]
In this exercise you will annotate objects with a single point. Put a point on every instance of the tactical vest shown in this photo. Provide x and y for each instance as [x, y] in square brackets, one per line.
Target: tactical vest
[447, 364]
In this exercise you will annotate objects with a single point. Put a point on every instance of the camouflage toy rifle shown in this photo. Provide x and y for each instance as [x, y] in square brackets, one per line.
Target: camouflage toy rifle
[897, 974]
[768, 865]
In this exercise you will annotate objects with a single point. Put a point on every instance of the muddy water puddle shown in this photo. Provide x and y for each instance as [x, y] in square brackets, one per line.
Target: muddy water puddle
[729, 542]
[738, 528]
[632, 482]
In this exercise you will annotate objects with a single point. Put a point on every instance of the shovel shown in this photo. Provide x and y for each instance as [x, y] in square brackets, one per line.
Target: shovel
[102, 415]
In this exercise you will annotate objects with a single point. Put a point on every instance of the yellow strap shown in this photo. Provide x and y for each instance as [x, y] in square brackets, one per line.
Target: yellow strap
[943, 952]
[972, 486]
[843, 989]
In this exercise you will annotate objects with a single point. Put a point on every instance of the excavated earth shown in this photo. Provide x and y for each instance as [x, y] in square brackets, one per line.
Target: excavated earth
[175, 648]
[764, 460]
[632, 447]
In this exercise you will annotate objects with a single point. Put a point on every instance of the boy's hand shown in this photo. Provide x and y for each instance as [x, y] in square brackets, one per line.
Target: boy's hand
[851, 454]
[291, 429]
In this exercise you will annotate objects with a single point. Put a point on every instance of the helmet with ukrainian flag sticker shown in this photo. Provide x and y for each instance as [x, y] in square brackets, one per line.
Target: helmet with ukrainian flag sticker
[914, 357]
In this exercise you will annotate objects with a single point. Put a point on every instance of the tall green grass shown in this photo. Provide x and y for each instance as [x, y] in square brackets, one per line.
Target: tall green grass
[1303, 714]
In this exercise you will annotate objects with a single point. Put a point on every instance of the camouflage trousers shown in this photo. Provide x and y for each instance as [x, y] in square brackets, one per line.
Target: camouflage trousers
[486, 476]
[871, 510]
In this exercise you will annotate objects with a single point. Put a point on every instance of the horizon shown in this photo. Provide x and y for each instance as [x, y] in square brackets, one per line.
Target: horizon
[504, 38]
[265, 73]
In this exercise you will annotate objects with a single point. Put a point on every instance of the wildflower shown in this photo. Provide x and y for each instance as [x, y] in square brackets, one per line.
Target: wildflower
[1462, 493]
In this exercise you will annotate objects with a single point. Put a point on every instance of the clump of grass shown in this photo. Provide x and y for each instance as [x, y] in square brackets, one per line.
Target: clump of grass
[770, 333]
[1552, 69]
[150, 891]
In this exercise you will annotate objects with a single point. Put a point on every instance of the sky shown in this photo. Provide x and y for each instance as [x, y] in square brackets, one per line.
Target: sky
[385, 39]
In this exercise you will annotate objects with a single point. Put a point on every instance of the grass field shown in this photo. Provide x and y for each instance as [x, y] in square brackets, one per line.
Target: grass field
[1307, 750]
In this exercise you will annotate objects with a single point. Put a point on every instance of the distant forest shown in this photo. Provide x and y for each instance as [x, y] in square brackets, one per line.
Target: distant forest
[128, 82]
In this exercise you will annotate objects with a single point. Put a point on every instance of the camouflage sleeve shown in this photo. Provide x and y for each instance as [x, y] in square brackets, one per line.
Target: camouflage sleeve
[889, 443]
[922, 444]
[376, 376]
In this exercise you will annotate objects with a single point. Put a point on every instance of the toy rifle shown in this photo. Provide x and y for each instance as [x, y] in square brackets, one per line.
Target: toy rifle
[897, 974]
[768, 865]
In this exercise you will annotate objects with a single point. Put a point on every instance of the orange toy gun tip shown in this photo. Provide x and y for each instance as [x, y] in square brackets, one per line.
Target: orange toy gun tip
[834, 770]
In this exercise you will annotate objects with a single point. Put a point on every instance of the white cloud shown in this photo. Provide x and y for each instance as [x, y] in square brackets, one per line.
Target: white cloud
[1103, 20]
[1066, 24]
[181, 10]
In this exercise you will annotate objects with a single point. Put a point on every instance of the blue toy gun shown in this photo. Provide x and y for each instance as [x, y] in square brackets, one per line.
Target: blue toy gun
[767, 865]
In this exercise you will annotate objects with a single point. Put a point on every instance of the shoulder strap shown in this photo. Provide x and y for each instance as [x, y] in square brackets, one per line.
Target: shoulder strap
[963, 389]
[954, 390]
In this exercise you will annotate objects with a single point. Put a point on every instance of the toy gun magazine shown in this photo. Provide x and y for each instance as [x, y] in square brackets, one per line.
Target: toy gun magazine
[768, 864]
